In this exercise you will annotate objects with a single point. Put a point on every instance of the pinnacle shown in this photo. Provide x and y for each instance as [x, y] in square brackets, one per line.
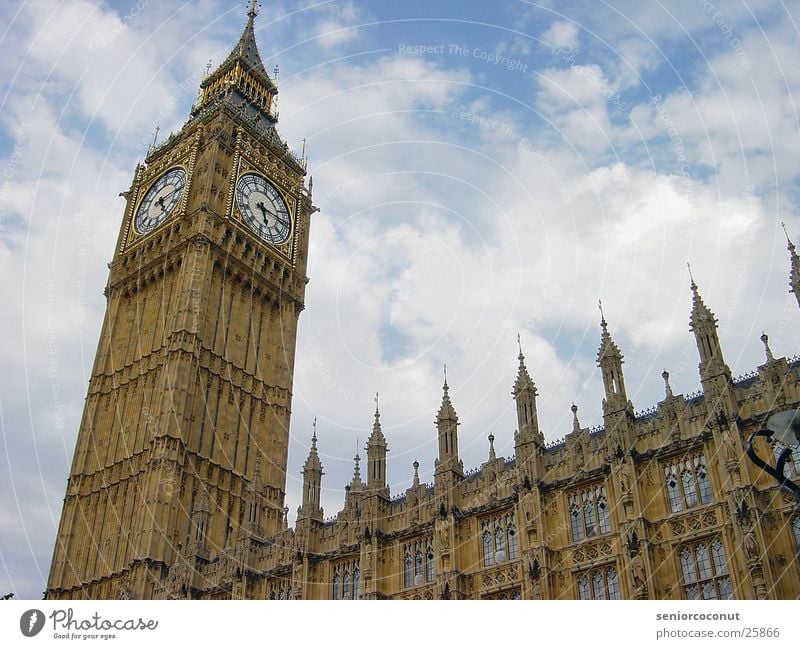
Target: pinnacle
[700, 312]
[446, 410]
[608, 348]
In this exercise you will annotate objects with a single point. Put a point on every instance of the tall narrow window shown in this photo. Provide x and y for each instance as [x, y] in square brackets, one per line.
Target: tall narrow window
[575, 522]
[673, 493]
[605, 520]
[336, 587]
[513, 550]
[407, 567]
[703, 484]
[488, 553]
[430, 571]
[599, 586]
[688, 489]
[583, 587]
[356, 583]
[346, 586]
[588, 515]
[613, 584]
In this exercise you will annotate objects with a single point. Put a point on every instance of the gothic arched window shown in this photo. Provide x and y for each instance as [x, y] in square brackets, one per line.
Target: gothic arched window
[602, 583]
[430, 571]
[336, 587]
[705, 576]
[356, 584]
[693, 488]
[346, 587]
[407, 568]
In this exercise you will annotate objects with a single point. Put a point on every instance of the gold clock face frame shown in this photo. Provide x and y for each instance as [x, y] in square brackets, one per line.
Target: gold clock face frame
[263, 208]
[160, 200]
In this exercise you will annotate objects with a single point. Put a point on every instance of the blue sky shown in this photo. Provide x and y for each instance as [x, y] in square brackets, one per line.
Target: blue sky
[482, 169]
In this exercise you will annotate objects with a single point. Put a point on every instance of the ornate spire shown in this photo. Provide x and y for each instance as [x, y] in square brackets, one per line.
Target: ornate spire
[312, 481]
[313, 461]
[242, 80]
[492, 455]
[447, 430]
[446, 410]
[524, 380]
[377, 432]
[376, 454]
[416, 473]
[794, 272]
[608, 348]
[700, 312]
[356, 469]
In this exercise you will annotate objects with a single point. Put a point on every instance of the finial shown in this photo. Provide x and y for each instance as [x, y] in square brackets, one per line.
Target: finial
[492, 456]
[444, 367]
[275, 72]
[576, 426]
[768, 351]
[416, 472]
[788, 240]
[377, 411]
[208, 68]
[693, 285]
[667, 386]
[155, 137]
[252, 9]
[314, 436]
[519, 344]
[602, 315]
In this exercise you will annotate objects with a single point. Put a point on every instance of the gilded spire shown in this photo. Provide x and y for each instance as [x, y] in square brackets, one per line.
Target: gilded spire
[246, 50]
[241, 80]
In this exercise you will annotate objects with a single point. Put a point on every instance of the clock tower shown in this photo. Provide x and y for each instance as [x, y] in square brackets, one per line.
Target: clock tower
[183, 442]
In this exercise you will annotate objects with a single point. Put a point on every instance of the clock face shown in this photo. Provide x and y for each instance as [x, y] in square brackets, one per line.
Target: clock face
[160, 200]
[263, 208]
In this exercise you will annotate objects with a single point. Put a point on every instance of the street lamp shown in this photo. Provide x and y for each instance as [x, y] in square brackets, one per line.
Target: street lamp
[783, 426]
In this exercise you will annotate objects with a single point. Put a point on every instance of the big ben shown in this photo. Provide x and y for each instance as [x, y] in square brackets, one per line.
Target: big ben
[183, 442]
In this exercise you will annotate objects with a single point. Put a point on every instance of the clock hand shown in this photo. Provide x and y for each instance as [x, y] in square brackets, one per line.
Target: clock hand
[160, 203]
[263, 209]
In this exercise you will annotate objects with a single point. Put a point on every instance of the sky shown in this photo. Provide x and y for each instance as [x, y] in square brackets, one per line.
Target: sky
[482, 170]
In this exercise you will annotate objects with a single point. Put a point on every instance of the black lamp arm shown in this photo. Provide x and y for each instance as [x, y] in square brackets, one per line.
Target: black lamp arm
[776, 471]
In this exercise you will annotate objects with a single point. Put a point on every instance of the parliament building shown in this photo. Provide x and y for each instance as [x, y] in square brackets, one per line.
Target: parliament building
[177, 486]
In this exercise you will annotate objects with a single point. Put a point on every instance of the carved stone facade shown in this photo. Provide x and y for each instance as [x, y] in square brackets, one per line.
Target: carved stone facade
[178, 482]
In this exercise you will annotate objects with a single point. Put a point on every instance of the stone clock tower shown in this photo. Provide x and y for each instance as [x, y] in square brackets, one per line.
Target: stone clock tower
[184, 437]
